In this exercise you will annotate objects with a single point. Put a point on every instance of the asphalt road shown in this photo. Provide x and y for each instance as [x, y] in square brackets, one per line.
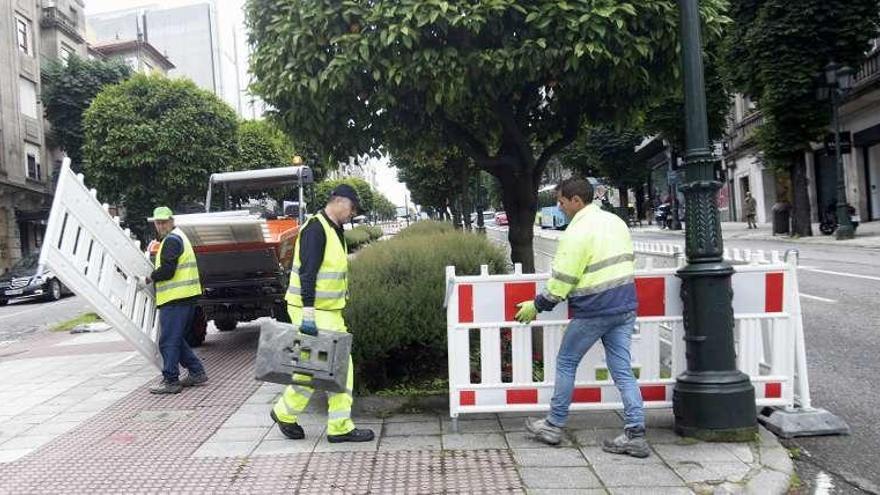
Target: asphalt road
[840, 290]
[22, 318]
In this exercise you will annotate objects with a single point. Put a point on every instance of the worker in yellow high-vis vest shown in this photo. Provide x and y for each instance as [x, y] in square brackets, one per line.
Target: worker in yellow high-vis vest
[178, 290]
[315, 300]
[594, 270]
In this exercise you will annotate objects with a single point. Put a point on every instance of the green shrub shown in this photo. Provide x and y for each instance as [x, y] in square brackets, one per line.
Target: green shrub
[375, 232]
[426, 227]
[396, 310]
[356, 238]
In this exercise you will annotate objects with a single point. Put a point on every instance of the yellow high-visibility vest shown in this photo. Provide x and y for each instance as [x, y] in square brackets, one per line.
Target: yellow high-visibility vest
[185, 282]
[331, 286]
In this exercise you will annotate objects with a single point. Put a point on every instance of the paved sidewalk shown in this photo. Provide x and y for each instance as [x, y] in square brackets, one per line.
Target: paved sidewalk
[219, 438]
[867, 234]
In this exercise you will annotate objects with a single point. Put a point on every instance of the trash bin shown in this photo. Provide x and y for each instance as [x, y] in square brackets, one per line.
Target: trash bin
[781, 218]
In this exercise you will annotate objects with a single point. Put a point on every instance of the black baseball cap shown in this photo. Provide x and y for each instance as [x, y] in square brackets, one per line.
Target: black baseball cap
[346, 191]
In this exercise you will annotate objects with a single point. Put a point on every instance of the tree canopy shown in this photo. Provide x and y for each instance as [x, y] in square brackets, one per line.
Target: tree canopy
[262, 145]
[154, 141]
[507, 82]
[67, 91]
[609, 153]
[775, 52]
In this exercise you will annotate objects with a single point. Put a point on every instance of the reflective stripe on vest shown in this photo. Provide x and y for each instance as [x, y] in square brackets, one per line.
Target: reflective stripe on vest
[594, 255]
[331, 286]
[185, 282]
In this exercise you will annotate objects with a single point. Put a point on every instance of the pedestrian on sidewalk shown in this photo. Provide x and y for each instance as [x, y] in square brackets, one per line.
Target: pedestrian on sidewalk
[178, 290]
[751, 210]
[315, 300]
[594, 270]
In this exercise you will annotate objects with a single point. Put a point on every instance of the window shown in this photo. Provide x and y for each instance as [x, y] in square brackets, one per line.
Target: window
[23, 35]
[27, 93]
[65, 53]
[33, 163]
[74, 16]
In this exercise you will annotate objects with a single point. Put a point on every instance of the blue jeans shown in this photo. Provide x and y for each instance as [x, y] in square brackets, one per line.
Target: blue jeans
[616, 334]
[174, 323]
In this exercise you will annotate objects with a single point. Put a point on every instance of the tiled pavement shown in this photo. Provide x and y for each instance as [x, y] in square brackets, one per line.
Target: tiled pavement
[85, 423]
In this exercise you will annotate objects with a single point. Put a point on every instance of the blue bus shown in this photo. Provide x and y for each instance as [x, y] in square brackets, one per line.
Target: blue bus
[553, 218]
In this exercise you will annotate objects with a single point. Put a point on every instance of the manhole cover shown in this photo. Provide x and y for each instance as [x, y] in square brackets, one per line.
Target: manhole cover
[165, 415]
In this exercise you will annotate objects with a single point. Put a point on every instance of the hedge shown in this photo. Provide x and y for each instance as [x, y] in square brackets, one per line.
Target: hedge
[396, 310]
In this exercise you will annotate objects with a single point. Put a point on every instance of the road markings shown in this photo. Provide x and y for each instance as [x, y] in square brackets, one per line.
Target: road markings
[817, 298]
[842, 274]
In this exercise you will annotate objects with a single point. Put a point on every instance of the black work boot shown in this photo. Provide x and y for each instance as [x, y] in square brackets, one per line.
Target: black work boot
[355, 435]
[632, 443]
[166, 387]
[194, 380]
[292, 431]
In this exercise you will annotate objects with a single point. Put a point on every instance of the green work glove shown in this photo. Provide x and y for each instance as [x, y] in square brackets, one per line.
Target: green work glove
[527, 312]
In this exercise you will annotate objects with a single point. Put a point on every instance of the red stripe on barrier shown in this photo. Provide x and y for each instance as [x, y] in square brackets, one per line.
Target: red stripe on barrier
[653, 393]
[466, 303]
[514, 294]
[528, 396]
[773, 287]
[591, 394]
[467, 398]
[772, 390]
[651, 294]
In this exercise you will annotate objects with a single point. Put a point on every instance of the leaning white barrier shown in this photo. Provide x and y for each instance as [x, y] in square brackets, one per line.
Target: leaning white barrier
[99, 261]
[480, 317]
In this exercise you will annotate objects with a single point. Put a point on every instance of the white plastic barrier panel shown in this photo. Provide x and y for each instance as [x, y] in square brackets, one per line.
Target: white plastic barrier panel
[99, 261]
[498, 365]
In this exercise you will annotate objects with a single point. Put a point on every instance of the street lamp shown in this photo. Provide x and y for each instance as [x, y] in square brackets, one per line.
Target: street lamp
[836, 83]
[712, 400]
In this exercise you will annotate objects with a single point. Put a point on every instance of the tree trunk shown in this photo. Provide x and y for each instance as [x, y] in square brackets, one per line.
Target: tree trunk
[520, 197]
[456, 215]
[640, 203]
[800, 212]
[622, 199]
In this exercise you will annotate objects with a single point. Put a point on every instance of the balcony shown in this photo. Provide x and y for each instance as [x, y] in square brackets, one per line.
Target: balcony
[743, 132]
[54, 18]
[869, 70]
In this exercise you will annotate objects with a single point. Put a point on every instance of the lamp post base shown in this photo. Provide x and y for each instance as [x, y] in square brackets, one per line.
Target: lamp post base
[844, 232]
[715, 406]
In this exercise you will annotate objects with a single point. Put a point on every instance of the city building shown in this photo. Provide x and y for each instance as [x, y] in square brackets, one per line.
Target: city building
[860, 133]
[138, 54]
[186, 35]
[51, 29]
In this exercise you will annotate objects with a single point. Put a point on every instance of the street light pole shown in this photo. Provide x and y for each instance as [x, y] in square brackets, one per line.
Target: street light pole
[712, 400]
[841, 84]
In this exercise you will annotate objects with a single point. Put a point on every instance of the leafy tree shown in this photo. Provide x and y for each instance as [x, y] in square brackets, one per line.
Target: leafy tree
[383, 208]
[427, 181]
[774, 52]
[507, 82]
[68, 90]
[153, 141]
[608, 153]
[262, 145]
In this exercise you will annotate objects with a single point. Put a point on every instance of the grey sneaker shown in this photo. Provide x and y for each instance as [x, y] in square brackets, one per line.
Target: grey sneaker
[632, 443]
[544, 431]
[191, 380]
[166, 388]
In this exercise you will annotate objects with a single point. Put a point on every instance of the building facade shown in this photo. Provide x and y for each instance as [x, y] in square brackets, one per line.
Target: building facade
[187, 35]
[38, 31]
[137, 54]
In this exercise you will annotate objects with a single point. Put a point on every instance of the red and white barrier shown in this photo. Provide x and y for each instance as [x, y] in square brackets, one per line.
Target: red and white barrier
[480, 316]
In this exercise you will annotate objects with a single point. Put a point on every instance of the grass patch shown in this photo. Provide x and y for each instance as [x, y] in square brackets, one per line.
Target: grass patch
[82, 319]
[432, 386]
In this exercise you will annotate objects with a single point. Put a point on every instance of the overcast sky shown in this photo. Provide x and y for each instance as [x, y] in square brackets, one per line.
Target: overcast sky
[230, 18]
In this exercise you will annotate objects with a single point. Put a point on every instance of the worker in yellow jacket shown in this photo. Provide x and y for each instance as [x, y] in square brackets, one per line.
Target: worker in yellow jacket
[178, 290]
[594, 270]
[316, 298]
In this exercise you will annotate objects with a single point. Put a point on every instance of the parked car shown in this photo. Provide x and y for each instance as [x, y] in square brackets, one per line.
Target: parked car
[28, 279]
[500, 218]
